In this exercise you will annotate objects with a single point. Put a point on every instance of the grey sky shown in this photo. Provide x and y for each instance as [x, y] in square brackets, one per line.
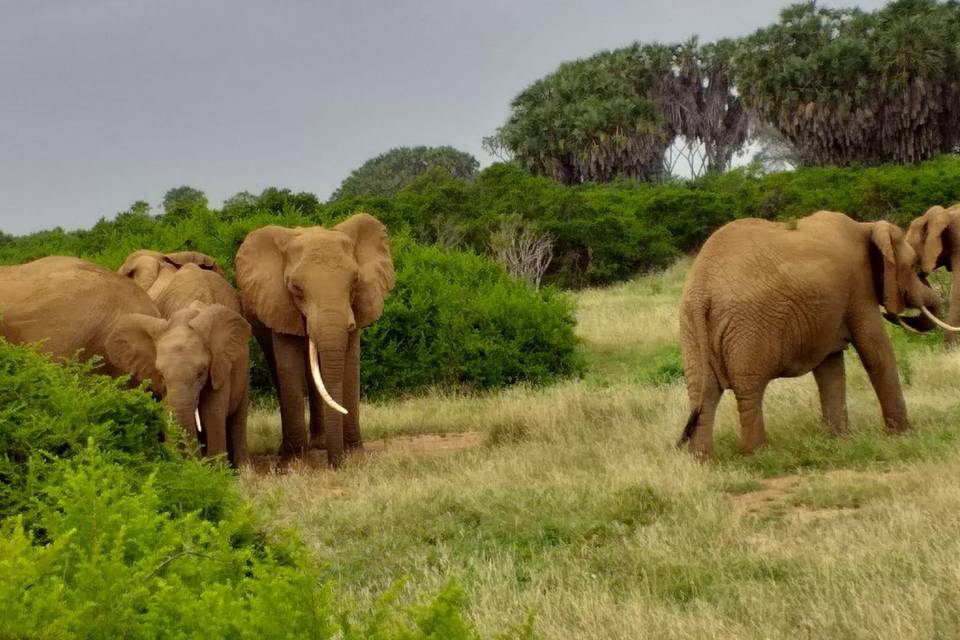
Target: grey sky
[104, 102]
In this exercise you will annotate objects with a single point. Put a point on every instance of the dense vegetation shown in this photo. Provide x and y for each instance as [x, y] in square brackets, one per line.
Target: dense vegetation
[842, 85]
[845, 86]
[106, 533]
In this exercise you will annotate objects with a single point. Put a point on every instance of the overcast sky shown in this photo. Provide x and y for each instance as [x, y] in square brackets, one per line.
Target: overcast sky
[105, 102]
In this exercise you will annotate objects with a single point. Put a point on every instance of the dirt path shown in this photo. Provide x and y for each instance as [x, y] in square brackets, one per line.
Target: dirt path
[423, 445]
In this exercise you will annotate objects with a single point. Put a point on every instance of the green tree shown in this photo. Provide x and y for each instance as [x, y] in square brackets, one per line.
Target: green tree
[390, 172]
[847, 87]
[180, 200]
[616, 113]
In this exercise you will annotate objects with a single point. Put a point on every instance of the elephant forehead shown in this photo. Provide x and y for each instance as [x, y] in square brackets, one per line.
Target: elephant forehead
[328, 252]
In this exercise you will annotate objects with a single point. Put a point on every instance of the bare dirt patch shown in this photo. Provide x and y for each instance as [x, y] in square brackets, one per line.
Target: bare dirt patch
[422, 445]
[774, 493]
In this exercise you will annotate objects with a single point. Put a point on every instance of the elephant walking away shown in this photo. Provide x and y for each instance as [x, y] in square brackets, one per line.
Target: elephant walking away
[768, 300]
[307, 292]
[208, 385]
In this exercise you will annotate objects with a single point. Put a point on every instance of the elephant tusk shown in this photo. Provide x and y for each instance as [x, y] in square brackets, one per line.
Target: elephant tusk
[318, 380]
[907, 327]
[940, 323]
[196, 419]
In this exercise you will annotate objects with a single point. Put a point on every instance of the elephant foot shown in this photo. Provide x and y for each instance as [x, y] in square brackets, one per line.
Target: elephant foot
[897, 428]
[291, 450]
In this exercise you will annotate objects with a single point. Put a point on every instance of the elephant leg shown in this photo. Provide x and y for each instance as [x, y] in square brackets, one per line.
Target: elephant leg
[750, 406]
[351, 393]
[832, 384]
[701, 442]
[237, 434]
[291, 379]
[318, 438]
[876, 352]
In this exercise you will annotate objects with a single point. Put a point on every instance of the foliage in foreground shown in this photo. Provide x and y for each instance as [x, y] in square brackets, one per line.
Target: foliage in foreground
[105, 534]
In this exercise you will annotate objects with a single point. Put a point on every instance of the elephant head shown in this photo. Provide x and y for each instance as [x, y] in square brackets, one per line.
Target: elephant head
[195, 349]
[151, 268]
[900, 282]
[323, 284]
[935, 236]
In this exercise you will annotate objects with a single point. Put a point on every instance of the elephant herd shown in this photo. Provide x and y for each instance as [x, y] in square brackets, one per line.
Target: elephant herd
[763, 300]
[174, 320]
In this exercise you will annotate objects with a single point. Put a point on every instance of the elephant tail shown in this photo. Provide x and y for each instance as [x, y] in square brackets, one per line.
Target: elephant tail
[690, 427]
[701, 338]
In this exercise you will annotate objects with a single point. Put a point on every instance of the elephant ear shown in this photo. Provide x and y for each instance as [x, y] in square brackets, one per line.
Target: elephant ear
[226, 334]
[926, 236]
[202, 260]
[143, 267]
[372, 253]
[884, 239]
[263, 292]
[131, 347]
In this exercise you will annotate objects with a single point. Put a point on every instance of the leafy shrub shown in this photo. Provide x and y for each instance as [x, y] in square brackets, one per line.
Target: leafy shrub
[105, 533]
[458, 319]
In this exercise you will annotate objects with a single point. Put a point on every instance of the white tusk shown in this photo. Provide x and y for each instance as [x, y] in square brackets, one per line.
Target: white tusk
[940, 323]
[196, 418]
[907, 327]
[318, 381]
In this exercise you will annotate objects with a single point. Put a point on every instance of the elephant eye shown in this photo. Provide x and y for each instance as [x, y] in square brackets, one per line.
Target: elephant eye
[295, 289]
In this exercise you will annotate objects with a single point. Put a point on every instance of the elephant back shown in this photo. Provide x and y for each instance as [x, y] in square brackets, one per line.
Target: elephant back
[68, 303]
[192, 283]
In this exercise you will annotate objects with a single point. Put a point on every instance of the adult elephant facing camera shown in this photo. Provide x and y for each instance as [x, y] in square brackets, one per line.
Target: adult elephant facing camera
[307, 292]
[769, 300]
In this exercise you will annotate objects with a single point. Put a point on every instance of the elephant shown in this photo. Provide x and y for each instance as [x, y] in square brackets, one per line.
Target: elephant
[935, 236]
[74, 307]
[71, 305]
[768, 300]
[210, 398]
[307, 292]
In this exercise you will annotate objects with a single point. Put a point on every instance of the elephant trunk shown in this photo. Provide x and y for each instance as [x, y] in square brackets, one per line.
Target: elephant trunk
[186, 413]
[331, 367]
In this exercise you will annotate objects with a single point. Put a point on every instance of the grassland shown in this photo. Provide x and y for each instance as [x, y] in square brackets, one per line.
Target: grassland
[572, 503]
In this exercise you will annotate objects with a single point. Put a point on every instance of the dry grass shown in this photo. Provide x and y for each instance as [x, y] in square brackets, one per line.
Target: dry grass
[577, 506]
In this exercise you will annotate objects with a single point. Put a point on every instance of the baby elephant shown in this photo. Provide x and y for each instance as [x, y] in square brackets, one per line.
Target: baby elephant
[198, 361]
[769, 300]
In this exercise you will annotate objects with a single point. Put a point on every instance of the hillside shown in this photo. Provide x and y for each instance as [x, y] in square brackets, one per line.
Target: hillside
[571, 501]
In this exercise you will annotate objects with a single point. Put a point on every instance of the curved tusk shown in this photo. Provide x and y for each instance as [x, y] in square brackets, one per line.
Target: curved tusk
[907, 327]
[196, 419]
[318, 380]
[940, 323]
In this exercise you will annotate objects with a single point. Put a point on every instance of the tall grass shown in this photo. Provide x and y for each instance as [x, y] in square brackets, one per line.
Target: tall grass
[576, 506]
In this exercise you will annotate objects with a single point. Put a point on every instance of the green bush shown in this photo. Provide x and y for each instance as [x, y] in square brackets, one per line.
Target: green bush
[105, 533]
[456, 319]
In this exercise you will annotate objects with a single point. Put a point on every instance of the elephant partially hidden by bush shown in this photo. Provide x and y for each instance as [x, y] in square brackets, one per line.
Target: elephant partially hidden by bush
[208, 386]
[307, 293]
[935, 236]
[767, 300]
[73, 307]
